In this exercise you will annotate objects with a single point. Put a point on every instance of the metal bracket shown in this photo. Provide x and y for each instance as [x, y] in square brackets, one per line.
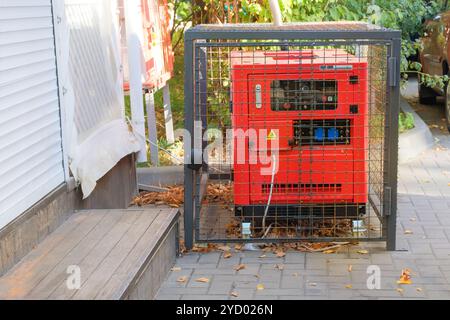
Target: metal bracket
[392, 68]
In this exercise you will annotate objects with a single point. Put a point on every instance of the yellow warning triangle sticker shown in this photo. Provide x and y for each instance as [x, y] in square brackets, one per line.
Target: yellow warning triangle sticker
[272, 135]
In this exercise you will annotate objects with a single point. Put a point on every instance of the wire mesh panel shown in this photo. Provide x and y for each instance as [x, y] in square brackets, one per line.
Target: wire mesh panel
[293, 133]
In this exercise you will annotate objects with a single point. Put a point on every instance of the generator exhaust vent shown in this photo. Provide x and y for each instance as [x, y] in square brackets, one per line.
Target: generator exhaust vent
[296, 188]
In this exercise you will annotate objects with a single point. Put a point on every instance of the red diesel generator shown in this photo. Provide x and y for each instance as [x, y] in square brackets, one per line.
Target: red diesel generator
[300, 125]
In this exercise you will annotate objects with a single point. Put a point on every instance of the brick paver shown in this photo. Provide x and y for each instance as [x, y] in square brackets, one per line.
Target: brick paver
[423, 208]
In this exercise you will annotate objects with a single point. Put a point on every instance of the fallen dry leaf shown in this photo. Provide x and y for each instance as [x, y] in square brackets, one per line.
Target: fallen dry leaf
[224, 248]
[238, 247]
[259, 286]
[234, 294]
[313, 284]
[203, 280]
[324, 246]
[349, 268]
[295, 274]
[349, 286]
[362, 251]
[407, 231]
[400, 290]
[279, 266]
[174, 197]
[405, 277]
[280, 254]
[329, 251]
[227, 255]
[175, 269]
[239, 267]
[204, 247]
[182, 279]
[262, 256]
[419, 289]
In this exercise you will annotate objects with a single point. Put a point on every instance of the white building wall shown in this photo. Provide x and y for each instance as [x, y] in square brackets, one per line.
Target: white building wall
[31, 158]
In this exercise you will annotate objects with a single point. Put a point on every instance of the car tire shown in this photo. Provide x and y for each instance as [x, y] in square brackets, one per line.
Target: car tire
[447, 106]
[426, 95]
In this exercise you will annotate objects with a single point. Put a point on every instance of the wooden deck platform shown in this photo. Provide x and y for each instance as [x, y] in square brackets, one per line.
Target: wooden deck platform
[117, 254]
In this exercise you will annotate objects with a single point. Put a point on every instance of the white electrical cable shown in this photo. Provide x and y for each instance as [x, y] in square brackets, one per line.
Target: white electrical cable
[161, 148]
[274, 162]
[143, 136]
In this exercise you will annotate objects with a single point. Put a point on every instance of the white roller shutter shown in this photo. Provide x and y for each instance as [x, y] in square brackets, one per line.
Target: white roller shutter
[31, 160]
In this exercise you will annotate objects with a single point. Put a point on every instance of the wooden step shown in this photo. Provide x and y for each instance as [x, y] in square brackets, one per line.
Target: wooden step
[99, 254]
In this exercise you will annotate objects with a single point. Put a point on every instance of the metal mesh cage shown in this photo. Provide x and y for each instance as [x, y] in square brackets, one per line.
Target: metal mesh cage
[291, 132]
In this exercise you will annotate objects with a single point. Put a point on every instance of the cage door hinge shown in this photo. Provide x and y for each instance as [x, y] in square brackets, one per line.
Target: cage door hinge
[196, 159]
[387, 201]
[393, 74]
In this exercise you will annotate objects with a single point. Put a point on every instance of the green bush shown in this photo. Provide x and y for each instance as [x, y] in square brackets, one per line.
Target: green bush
[406, 121]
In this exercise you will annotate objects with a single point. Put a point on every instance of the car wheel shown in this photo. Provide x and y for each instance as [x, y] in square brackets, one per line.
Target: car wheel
[426, 95]
[447, 106]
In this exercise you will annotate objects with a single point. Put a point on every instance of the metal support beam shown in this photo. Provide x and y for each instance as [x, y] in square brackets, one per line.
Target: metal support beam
[189, 126]
[151, 123]
[135, 39]
[168, 120]
[392, 134]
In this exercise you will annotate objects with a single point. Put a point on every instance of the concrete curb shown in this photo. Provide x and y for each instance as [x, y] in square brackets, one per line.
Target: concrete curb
[160, 176]
[415, 141]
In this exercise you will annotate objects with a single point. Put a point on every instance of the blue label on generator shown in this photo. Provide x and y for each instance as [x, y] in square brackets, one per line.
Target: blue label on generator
[330, 134]
[319, 134]
[333, 134]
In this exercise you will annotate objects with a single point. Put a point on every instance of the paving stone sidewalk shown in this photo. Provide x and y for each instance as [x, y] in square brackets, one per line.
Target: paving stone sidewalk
[423, 208]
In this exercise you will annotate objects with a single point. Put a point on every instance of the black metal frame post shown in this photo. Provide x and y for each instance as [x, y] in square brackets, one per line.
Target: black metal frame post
[392, 135]
[188, 145]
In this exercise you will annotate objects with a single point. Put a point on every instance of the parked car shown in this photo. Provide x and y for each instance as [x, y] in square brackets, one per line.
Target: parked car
[435, 59]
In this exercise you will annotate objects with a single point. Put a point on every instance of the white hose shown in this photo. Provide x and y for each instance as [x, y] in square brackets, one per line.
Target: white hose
[274, 162]
[276, 12]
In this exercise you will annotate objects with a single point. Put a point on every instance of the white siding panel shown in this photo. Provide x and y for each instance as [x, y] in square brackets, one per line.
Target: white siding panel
[26, 47]
[24, 3]
[25, 35]
[31, 160]
[8, 76]
[12, 13]
[31, 93]
[31, 81]
[23, 60]
[25, 24]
